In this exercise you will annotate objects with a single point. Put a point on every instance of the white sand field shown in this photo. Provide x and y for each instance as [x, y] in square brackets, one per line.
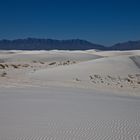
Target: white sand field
[69, 95]
[67, 114]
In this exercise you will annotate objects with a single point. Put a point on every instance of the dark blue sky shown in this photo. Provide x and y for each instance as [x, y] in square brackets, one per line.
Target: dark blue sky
[100, 21]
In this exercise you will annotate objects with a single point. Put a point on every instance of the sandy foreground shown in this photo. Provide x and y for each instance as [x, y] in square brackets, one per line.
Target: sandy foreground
[69, 95]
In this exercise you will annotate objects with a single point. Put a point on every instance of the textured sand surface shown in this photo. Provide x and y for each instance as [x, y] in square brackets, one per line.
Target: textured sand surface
[67, 114]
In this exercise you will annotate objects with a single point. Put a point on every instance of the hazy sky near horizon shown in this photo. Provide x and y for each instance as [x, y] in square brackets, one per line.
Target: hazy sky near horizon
[100, 21]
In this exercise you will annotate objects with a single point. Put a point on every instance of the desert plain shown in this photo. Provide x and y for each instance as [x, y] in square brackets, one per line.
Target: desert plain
[70, 95]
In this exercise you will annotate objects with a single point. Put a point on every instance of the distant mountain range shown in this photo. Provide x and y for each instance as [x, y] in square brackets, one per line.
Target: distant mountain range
[74, 44]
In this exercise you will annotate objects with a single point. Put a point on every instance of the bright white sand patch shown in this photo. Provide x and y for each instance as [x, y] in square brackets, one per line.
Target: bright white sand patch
[46, 56]
[115, 53]
[67, 114]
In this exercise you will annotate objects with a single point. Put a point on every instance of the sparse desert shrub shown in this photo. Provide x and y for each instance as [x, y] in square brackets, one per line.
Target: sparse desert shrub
[53, 63]
[25, 65]
[127, 79]
[97, 76]
[14, 66]
[102, 81]
[3, 74]
[34, 61]
[109, 76]
[77, 79]
[42, 62]
[68, 61]
[90, 77]
[2, 66]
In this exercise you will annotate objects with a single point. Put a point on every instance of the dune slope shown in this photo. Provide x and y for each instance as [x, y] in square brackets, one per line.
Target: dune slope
[114, 72]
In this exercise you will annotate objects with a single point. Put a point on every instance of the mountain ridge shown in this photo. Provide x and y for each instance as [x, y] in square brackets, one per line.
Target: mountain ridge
[71, 44]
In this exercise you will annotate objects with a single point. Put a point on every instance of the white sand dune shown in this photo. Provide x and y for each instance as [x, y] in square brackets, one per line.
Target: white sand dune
[46, 56]
[111, 72]
[69, 95]
[110, 69]
[115, 53]
[122, 65]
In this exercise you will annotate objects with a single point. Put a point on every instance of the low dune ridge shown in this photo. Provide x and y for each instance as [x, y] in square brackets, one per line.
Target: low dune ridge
[136, 60]
[92, 69]
[46, 56]
[110, 72]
